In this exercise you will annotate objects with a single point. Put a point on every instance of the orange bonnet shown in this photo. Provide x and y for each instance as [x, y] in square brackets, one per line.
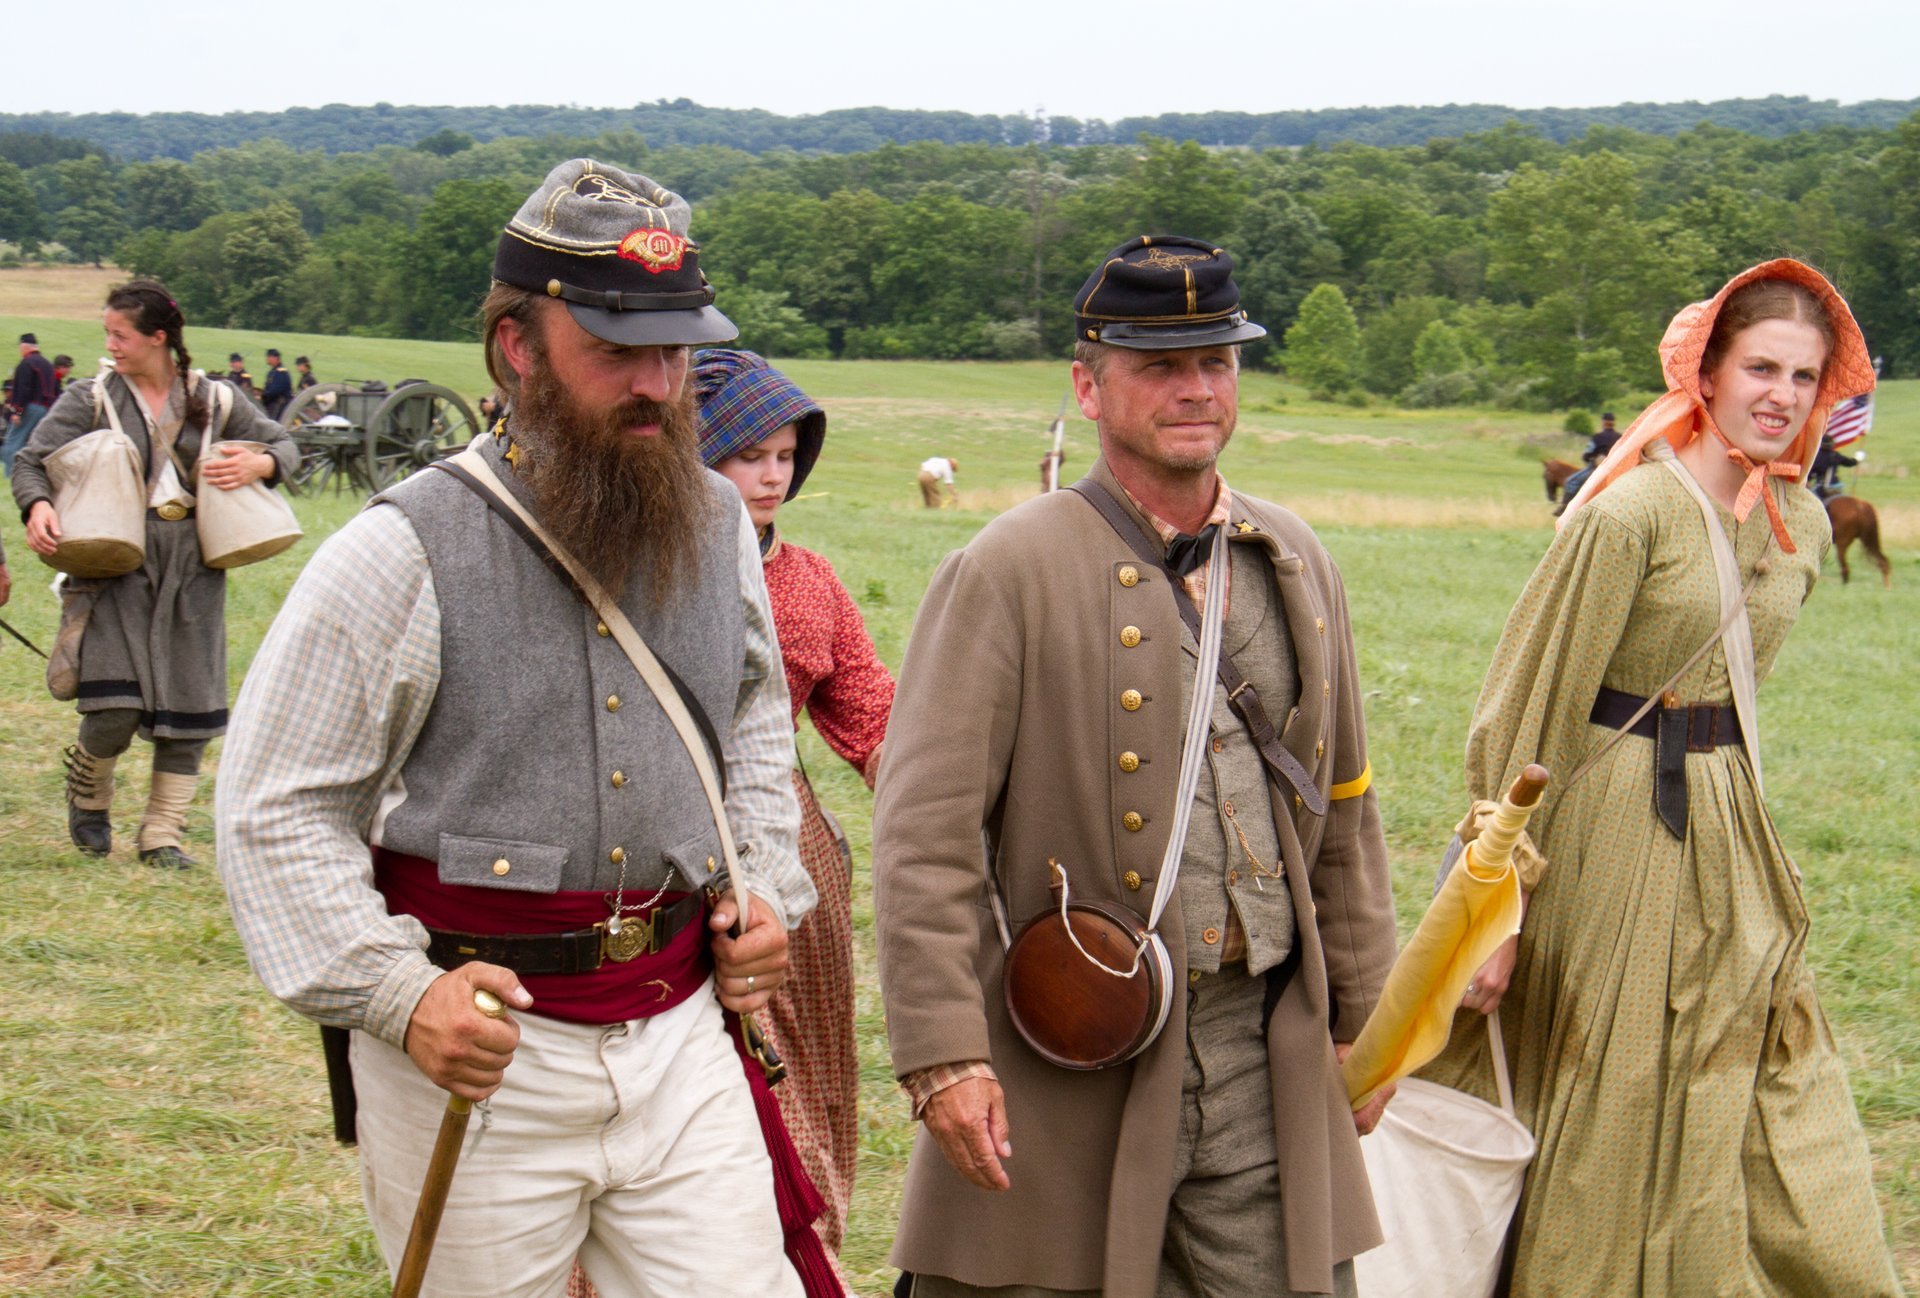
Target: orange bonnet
[1681, 414]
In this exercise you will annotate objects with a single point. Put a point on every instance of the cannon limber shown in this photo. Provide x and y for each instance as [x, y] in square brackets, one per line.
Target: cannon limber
[367, 436]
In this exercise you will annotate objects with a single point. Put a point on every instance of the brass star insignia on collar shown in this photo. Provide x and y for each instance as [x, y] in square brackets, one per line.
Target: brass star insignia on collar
[513, 453]
[1243, 527]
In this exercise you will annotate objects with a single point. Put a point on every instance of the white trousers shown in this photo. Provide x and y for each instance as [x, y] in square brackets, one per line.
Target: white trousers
[633, 1146]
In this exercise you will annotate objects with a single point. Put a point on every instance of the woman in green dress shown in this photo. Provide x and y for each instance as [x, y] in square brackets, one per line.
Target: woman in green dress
[1696, 1135]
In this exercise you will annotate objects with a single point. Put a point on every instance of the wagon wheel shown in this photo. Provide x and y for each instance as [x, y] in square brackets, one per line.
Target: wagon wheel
[414, 427]
[326, 451]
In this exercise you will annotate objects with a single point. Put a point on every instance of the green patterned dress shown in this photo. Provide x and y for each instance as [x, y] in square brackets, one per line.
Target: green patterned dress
[1696, 1132]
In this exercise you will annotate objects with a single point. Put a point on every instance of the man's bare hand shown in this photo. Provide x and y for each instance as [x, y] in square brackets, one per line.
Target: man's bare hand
[460, 1049]
[747, 968]
[1367, 1117]
[969, 1120]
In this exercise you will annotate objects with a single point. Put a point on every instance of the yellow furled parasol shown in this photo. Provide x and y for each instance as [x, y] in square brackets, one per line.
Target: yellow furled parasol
[1476, 909]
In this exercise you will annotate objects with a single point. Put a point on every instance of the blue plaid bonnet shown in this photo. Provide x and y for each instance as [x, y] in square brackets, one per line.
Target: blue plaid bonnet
[744, 401]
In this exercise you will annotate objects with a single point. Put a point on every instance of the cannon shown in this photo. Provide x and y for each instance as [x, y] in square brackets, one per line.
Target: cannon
[367, 436]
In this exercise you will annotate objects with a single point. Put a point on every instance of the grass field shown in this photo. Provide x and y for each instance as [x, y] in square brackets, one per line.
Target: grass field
[163, 1124]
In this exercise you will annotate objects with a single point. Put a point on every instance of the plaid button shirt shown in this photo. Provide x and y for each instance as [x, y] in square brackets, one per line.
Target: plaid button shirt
[330, 710]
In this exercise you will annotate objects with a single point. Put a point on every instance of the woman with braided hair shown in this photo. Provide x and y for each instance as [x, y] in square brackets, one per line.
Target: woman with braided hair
[153, 656]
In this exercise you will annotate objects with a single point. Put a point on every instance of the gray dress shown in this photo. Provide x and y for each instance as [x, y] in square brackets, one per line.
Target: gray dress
[156, 641]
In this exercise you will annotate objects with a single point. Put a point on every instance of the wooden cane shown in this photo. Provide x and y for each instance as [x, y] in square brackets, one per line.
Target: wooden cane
[433, 1194]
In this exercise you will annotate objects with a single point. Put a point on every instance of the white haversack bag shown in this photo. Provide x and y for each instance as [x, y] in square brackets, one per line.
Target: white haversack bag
[101, 502]
[244, 525]
[1446, 1169]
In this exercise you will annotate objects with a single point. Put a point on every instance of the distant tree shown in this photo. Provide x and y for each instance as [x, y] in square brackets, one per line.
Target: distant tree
[1387, 362]
[1323, 344]
[1280, 251]
[93, 220]
[260, 253]
[771, 326]
[20, 217]
[444, 267]
[166, 195]
[444, 142]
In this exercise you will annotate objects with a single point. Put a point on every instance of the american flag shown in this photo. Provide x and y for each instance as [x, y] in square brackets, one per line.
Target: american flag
[1850, 420]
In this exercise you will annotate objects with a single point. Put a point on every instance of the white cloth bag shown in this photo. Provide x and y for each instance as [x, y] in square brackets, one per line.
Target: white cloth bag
[244, 525]
[1446, 1169]
[100, 499]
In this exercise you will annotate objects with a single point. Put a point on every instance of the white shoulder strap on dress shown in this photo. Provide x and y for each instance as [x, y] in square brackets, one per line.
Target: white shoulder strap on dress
[1739, 630]
[643, 661]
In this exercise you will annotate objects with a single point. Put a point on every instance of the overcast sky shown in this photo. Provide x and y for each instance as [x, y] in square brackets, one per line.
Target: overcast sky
[1092, 58]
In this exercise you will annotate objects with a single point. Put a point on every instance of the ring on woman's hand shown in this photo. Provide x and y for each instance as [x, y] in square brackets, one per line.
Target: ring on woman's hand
[1473, 989]
[749, 984]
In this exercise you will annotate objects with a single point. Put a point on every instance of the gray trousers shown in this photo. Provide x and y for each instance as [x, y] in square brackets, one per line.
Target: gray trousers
[1224, 1232]
[109, 733]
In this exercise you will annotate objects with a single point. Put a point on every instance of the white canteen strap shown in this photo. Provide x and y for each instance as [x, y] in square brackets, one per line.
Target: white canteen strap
[1199, 714]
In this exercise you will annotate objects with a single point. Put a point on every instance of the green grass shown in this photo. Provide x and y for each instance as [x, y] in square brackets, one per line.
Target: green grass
[163, 1124]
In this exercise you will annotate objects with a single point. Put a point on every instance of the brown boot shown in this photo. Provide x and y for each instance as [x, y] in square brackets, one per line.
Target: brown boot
[89, 798]
[166, 816]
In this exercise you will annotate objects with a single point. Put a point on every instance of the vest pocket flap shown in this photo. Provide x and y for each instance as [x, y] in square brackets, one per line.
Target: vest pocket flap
[696, 860]
[501, 863]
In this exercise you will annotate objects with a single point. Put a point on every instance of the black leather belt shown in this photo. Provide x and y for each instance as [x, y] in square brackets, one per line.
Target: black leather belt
[581, 950]
[1708, 725]
[1676, 729]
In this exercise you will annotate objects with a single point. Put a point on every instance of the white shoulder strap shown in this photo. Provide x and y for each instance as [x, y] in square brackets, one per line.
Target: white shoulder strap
[1739, 632]
[643, 661]
[103, 398]
[220, 396]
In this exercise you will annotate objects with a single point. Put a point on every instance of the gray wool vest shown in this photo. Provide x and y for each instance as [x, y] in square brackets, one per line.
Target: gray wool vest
[545, 762]
[1232, 852]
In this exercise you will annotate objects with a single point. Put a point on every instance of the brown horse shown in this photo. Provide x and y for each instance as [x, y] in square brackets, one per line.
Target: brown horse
[1555, 474]
[1853, 520]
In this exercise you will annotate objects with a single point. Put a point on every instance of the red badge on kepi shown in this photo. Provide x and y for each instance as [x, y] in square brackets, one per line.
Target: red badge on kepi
[657, 250]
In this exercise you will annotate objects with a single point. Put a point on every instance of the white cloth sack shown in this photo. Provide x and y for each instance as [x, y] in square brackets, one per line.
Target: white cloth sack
[101, 502]
[1446, 1169]
[244, 525]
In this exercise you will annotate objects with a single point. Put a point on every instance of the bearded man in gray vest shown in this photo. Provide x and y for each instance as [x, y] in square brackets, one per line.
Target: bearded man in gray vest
[444, 774]
[1043, 707]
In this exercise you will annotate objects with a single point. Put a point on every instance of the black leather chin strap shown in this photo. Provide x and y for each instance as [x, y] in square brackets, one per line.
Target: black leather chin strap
[1282, 766]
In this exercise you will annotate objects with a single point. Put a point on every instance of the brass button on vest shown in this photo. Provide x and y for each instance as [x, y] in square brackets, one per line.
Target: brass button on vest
[1320, 625]
[502, 865]
[619, 779]
[1129, 762]
[1326, 688]
[1129, 575]
[1133, 821]
[1131, 700]
[613, 702]
[1219, 745]
[603, 628]
[1132, 879]
[617, 855]
[1211, 937]
[709, 865]
[1130, 636]
[1320, 749]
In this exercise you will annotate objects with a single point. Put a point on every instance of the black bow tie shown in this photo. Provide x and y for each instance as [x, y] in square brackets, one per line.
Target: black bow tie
[1185, 553]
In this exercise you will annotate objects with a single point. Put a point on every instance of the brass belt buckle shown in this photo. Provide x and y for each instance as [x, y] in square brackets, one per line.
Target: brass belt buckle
[624, 937]
[172, 511]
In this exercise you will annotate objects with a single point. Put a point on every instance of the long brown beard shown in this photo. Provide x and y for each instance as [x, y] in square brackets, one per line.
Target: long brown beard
[615, 500]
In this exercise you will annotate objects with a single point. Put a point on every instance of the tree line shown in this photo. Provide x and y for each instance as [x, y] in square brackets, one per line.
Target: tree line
[1498, 267]
[347, 128]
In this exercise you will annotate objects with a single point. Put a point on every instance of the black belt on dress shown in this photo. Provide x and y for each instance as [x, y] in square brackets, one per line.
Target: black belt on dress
[581, 950]
[1676, 729]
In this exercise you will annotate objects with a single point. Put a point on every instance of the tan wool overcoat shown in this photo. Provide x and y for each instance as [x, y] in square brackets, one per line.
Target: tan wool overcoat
[1009, 721]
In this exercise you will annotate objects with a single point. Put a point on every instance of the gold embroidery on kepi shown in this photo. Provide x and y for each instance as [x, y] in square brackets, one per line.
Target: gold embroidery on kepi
[657, 250]
[1162, 259]
[601, 189]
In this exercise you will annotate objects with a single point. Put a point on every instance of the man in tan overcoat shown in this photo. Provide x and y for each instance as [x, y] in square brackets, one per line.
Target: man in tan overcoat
[1040, 715]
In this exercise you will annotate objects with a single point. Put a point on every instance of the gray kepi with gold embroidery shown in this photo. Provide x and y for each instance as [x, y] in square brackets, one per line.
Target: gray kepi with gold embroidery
[1162, 292]
[613, 246]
